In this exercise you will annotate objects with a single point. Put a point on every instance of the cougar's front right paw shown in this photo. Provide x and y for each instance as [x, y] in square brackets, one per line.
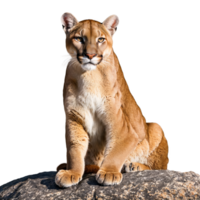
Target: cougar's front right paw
[67, 178]
[108, 178]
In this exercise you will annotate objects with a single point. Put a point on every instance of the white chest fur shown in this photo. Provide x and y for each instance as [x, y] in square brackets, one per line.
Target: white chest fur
[92, 106]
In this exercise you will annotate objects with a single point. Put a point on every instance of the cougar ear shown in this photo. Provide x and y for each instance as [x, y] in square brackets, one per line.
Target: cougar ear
[68, 21]
[111, 24]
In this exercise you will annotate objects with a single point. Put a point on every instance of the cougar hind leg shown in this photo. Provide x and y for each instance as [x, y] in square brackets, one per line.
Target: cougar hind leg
[61, 166]
[158, 157]
[151, 153]
[88, 168]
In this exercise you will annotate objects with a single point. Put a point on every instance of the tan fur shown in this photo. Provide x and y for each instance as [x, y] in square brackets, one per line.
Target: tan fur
[104, 125]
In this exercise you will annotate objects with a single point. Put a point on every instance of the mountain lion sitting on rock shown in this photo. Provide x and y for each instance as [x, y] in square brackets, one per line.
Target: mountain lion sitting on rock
[106, 132]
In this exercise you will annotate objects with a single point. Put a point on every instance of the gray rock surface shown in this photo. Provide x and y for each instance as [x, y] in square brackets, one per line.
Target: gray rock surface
[152, 185]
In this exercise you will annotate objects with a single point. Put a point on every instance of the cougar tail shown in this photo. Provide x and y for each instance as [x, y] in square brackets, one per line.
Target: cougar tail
[88, 168]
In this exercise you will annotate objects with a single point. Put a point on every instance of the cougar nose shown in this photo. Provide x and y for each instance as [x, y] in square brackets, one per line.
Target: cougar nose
[90, 56]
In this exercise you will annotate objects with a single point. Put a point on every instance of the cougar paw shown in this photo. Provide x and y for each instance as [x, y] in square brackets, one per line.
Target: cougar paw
[108, 178]
[130, 167]
[67, 178]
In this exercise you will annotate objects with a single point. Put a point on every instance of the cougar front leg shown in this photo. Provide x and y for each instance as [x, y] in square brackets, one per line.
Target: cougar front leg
[77, 144]
[119, 146]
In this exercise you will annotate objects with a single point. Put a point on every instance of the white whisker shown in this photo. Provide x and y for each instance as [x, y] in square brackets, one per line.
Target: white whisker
[68, 58]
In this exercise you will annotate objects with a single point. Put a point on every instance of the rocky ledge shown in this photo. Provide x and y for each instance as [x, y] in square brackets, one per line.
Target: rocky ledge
[152, 185]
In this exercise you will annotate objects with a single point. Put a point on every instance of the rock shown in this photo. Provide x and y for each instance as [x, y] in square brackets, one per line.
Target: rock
[155, 184]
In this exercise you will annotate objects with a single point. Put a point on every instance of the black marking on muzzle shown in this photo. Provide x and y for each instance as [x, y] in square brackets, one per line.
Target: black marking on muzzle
[100, 60]
[78, 58]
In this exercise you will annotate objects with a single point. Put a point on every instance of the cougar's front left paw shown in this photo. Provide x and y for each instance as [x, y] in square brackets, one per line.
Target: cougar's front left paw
[67, 178]
[108, 178]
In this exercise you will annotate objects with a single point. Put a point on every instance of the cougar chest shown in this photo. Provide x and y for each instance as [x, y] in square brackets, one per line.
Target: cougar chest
[91, 100]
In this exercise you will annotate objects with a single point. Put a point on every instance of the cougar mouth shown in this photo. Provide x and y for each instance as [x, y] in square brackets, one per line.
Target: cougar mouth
[88, 66]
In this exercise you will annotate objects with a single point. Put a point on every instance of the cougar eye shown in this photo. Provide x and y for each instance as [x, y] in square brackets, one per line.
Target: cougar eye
[79, 39]
[100, 40]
